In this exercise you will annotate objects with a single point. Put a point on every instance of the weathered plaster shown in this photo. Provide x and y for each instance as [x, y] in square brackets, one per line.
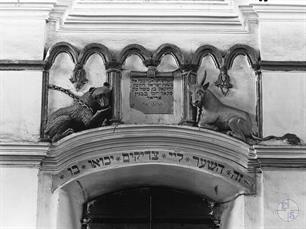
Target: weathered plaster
[20, 99]
[280, 185]
[284, 103]
[18, 198]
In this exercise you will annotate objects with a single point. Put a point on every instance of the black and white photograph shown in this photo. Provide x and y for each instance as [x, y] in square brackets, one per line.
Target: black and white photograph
[152, 114]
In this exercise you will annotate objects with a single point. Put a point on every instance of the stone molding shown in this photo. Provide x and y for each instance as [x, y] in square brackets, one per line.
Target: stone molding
[283, 65]
[130, 136]
[36, 9]
[22, 154]
[17, 65]
[151, 58]
[249, 157]
[176, 16]
[283, 156]
[295, 11]
[135, 16]
[202, 152]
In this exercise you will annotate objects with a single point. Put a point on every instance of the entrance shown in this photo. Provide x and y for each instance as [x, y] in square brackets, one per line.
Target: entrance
[147, 208]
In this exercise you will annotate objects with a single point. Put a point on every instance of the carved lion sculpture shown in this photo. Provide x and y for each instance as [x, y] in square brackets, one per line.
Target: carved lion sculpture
[88, 111]
[220, 117]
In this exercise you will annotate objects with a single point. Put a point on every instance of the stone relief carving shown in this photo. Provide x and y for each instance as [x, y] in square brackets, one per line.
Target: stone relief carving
[214, 115]
[188, 63]
[79, 77]
[91, 110]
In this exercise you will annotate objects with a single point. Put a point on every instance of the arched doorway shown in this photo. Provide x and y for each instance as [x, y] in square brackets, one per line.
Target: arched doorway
[88, 165]
[148, 208]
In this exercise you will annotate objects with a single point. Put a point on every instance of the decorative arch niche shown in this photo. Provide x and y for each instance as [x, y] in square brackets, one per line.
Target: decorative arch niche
[114, 70]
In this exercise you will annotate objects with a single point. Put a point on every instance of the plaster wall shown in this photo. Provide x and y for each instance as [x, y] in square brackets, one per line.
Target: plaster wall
[279, 186]
[18, 198]
[283, 40]
[22, 38]
[20, 100]
[245, 211]
[284, 103]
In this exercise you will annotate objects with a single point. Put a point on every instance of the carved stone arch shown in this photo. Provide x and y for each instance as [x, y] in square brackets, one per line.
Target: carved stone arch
[61, 47]
[162, 144]
[95, 48]
[93, 162]
[135, 49]
[172, 49]
[52, 53]
[205, 50]
[245, 50]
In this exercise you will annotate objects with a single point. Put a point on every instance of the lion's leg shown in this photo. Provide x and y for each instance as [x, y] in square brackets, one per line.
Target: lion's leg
[237, 127]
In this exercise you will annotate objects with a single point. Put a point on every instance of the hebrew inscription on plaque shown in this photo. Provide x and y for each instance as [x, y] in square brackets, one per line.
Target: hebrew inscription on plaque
[152, 95]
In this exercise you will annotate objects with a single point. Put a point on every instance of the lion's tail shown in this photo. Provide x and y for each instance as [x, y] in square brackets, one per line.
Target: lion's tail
[265, 138]
[291, 139]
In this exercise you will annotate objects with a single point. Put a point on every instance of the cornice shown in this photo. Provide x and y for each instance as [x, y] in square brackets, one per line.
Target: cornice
[283, 65]
[154, 16]
[22, 154]
[88, 142]
[123, 137]
[26, 9]
[280, 12]
[21, 65]
[283, 156]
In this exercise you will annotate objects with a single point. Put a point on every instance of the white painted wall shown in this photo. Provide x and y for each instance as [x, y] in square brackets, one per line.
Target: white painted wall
[280, 185]
[283, 40]
[21, 38]
[18, 198]
[284, 103]
[233, 216]
[20, 100]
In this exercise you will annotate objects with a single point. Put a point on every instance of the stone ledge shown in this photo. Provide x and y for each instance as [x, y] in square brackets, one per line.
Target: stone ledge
[284, 156]
[22, 154]
[26, 9]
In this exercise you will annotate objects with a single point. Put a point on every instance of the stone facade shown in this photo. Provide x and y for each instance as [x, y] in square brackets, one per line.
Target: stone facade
[262, 47]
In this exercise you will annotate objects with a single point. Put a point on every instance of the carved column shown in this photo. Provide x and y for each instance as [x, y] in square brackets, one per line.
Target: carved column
[114, 79]
[189, 77]
[259, 113]
[44, 103]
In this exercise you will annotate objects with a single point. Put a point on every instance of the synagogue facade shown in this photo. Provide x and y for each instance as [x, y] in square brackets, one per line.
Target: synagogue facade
[152, 114]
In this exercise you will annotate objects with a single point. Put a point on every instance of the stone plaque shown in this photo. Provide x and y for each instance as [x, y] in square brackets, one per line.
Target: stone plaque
[152, 95]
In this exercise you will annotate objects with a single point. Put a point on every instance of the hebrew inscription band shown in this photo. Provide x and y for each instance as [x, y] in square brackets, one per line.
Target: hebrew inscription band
[152, 95]
[149, 156]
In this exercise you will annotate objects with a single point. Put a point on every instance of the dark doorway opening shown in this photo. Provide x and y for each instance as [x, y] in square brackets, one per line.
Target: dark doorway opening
[148, 208]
